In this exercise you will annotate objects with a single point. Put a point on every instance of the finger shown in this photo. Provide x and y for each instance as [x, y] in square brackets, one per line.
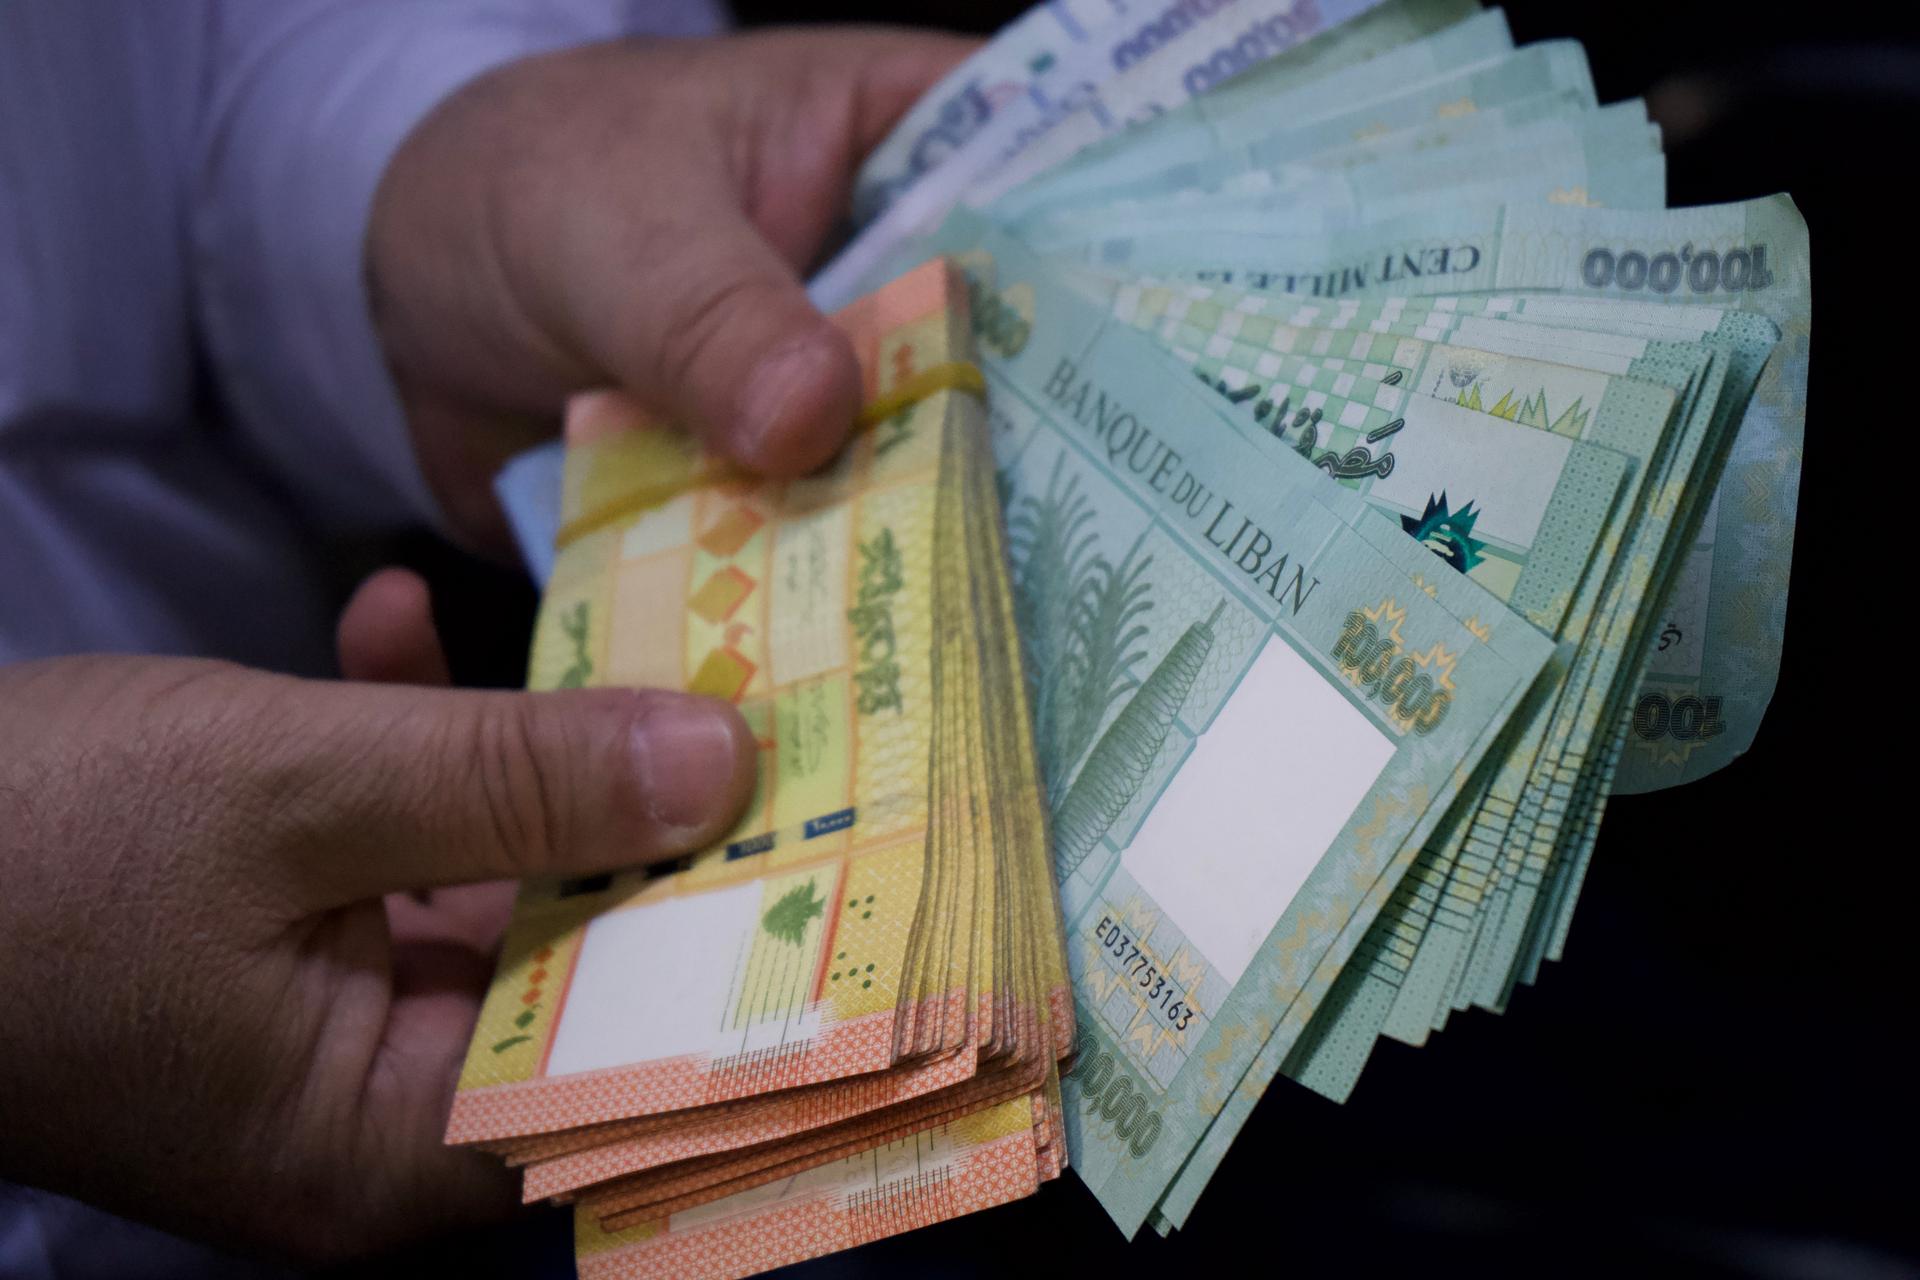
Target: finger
[899, 68]
[843, 91]
[386, 633]
[603, 190]
[442, 974]
[743, 353]
[740, 309]
[467, 915]
[434, 1186]
[888, 69]
[724, 340]
[373, 788]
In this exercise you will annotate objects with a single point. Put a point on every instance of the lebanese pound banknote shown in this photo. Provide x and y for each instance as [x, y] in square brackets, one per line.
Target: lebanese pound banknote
[1140, 65]
[1376, 477]
[1239, 341]
[1036, 62]
[1253, 357]
[1135, 493]
[1404, 453]
[1207, 140]
[1510, 937]
[1025, 61]
[1548, 806]
[1726, 618]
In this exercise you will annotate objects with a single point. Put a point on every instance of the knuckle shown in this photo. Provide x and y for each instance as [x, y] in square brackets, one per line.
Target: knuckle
[525, 760]
[563, 777]
[699, 326]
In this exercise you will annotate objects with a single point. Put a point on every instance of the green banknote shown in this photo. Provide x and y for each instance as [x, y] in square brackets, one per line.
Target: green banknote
[1145, 64]
[1618, 166]
[1373, 340]
[1744, 341]
[1531, 384]
[1345, 65]
[1517, 873]
[1331, 1055]
[1534, 928]
[1249, 370]
[1014, 65]
[1533, 122]
[1750, 256]
[1446, 146]
[1451, 151]
[1331, 121]
[1118, 469]
[1357, 421]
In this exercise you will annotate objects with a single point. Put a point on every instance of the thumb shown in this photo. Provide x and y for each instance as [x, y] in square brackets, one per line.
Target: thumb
[722, 337]
[725, 340]
[381, 788]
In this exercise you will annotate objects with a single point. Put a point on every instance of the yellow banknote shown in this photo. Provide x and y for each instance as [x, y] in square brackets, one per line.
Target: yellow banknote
[781, 957]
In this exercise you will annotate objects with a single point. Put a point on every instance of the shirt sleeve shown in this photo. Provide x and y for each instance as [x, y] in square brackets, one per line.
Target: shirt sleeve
[305, 103]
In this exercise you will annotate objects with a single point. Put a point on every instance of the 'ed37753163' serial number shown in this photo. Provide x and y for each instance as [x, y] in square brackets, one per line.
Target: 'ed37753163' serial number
[1133, 961]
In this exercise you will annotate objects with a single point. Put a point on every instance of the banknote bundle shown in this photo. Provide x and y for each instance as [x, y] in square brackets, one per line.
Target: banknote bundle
[1431, 268]
[847, 1017]
[1385, 477]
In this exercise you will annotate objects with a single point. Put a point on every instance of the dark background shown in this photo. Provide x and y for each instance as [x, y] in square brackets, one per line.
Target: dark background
[1717, 1079]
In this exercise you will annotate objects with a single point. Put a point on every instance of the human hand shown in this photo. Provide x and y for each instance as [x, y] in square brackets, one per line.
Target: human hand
[217, 1023]
[632, 214]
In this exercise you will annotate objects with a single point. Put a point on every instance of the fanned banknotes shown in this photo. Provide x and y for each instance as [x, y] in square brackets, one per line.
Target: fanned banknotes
[1357, 420]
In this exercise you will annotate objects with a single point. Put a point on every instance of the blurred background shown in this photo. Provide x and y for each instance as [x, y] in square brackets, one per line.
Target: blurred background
[1719, 1079]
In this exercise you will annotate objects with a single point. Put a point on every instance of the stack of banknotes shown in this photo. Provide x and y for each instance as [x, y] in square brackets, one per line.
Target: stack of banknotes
[847, 1018]
[1384, 477]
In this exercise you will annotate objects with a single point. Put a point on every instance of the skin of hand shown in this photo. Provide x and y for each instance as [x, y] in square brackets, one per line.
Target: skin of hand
[226, 1030]
[247, 918]
[633, 214]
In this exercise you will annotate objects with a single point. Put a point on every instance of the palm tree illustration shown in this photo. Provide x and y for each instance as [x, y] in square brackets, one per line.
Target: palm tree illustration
[1117, 766]
[1081, 620]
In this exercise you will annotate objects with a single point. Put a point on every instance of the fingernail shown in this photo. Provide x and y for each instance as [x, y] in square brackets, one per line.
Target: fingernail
[687, 756]
[790, 387]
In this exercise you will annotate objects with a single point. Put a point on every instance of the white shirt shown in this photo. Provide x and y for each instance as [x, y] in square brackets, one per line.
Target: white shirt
[192, 400]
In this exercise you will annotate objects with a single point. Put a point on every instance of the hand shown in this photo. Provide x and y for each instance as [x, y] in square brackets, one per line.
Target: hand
[215, 1022]
[632, 214]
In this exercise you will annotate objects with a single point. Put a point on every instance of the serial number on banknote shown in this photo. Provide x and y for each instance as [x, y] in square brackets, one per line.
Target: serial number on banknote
[1134, 961]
